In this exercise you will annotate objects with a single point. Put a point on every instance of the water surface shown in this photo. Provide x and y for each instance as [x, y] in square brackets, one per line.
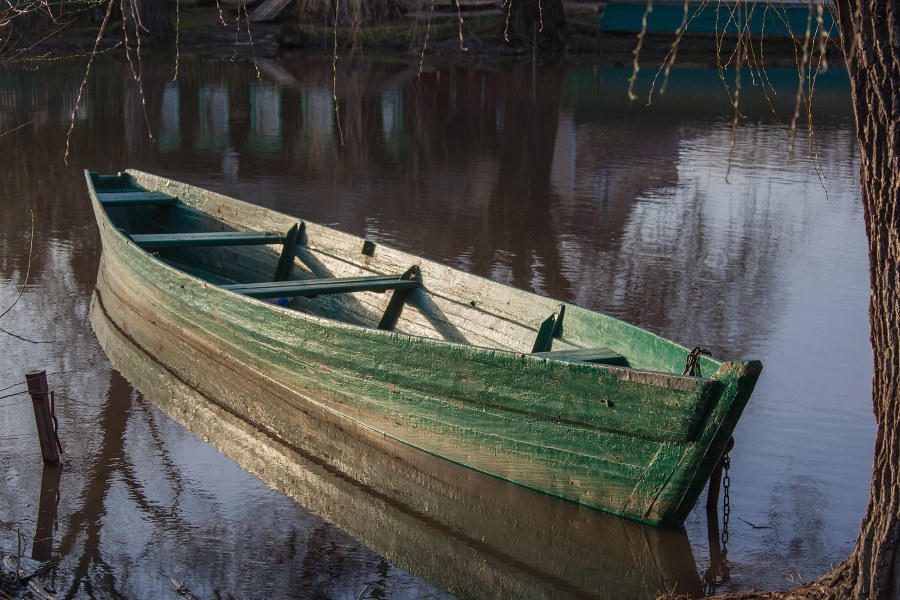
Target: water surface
[548, 180]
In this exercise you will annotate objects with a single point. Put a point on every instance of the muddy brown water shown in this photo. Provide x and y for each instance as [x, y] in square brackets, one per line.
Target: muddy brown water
[545, 179]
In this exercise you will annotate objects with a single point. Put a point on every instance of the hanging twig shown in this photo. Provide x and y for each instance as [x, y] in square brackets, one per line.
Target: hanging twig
[24, 339]
[669, 60]
[87, 72]
[425, 45]
[250, 39]
[18, 127]
[459, 16]
[27, 270]
[334, 59]
[637, 51]
[801, 76]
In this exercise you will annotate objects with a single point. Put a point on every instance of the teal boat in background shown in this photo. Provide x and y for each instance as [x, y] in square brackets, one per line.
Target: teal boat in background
[730, 17]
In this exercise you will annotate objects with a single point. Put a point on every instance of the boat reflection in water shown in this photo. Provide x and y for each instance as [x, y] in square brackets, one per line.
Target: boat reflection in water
[472, 534]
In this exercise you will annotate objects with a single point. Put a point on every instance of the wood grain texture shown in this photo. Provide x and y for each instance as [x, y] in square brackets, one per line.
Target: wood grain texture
[631, 441]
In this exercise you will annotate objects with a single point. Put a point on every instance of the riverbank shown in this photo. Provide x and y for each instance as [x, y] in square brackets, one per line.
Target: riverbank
[474, 36]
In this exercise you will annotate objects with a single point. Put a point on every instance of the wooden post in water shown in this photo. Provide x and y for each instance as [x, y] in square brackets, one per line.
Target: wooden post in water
[43, 416]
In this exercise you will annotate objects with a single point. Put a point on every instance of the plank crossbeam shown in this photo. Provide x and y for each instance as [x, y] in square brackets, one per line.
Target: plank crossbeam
[213, 238]
[124, 197]
[597, 356]
[314, 287]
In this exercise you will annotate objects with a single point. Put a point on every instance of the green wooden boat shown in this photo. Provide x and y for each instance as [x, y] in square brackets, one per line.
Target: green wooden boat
[340, 347]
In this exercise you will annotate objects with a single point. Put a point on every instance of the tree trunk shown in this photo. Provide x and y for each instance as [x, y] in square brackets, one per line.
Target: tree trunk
[535, 22]
[870, 38]
[147, 18]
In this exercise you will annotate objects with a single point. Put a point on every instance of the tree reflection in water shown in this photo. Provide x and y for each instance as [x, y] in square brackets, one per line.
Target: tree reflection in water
[550, 181]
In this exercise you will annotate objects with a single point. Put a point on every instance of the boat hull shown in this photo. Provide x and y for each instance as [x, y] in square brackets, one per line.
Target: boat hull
[304, 375]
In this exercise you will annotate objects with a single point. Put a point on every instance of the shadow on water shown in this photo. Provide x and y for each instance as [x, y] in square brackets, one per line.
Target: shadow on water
[476, 536]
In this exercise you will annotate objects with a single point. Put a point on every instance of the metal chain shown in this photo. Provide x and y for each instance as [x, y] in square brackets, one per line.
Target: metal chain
[719, 572]
[692, 366]
[726, 500]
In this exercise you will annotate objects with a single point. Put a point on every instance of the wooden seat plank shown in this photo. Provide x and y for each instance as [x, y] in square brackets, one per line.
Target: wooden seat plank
[109, 182]
[111, 199]
[316, 287]
[212, 238]
[598, 356]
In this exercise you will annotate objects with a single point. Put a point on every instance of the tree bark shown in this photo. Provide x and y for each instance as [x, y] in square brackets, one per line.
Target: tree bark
[535, 22]
[870, 39]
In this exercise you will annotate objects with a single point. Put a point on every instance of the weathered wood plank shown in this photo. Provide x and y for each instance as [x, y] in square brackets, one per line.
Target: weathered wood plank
[317, 287]
[204, 239]
[599, 356]
[108, 182]
[117, 198]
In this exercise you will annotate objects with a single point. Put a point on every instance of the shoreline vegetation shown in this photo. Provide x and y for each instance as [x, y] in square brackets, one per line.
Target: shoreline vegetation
[475, 35]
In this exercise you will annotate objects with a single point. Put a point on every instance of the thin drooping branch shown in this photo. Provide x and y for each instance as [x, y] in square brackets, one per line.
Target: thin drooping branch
[27, 270]
[87, 72]
[425, 44]
[334, 61]
[14, 129]
[801, 76]
[637, 51]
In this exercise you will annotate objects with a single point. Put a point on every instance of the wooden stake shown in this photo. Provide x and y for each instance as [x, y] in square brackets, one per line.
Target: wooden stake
[43, 416]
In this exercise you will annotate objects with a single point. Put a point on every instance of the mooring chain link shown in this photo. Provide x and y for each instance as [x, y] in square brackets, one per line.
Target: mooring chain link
[719, 571]
[692, 366]
[726, 500]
